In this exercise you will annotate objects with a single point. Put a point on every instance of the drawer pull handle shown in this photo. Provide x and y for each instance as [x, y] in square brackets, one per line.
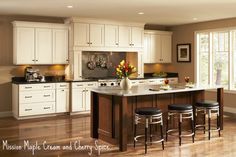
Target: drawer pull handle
[45, 108]
[151, 81]
[62, 85]
[27, 97]
[28, 109]
[47, 95]
[90, 84]
[79, 85]
[46, 86]
[28, 87]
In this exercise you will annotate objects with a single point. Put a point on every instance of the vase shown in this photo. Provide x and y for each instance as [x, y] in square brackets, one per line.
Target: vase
[125, 83]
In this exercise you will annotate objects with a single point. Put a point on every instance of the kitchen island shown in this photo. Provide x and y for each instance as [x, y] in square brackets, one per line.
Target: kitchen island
[112, 109]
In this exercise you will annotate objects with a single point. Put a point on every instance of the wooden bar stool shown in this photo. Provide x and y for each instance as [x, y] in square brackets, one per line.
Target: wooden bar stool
[148, 116]
[208, 107]
[180, 111]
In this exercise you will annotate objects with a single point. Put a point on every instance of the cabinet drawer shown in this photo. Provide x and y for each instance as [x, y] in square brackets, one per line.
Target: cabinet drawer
[37, 96]
[84, 84]
[40, 86]
[91, 84]
[62, 85]
[36, 109]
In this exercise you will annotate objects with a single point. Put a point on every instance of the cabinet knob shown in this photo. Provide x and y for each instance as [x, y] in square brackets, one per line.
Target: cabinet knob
[67, 60]
[88, 43]
[33, 60]
[36, 60]
[91, 43]
[117, 44]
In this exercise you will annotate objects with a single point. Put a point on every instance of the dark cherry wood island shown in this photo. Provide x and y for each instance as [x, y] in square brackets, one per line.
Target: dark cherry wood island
[112, 109]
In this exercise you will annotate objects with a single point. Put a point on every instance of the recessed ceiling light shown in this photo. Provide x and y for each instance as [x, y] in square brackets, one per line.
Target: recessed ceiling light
[69, 6]
[194, 18]
[141, 13]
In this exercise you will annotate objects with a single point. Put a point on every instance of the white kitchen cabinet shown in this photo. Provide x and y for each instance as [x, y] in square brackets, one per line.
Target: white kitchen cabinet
[81, 34]
[96, 35]
[130, 36]
[124, 36]
[86, 34]
[137, 37]
[157, 47]
[81, 96]
[23, 46]
[166, 48]
[40, 43]
[60, 46]
[62, 97]
[43, 45]
[111, 36]
[33, 99]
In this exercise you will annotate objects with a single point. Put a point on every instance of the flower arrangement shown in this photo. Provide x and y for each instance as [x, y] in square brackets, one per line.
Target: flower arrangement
[124, 69]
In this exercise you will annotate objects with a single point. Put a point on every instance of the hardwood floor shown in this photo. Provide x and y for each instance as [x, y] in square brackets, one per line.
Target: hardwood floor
[60, 131]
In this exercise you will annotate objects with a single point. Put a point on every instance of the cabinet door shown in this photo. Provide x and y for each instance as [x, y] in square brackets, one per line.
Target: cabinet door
[62, 100]
[81, 34]
[137, 37]
[24, 45]
[166, 48]
[43, 46]
[60, 46]
[155, 55]
[77, 100]
[111, 36]
[88, 100]
[147, 48]
[96, 35]
[124, 36]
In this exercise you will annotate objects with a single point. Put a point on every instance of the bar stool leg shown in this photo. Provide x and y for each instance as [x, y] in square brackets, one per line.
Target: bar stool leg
[193, 130]
[146, 129]
[218, 122]
[167, 125]
[209, 124]
[135, 128]
[150, 131]
[180, 121]
[161, 127]
[204, 122]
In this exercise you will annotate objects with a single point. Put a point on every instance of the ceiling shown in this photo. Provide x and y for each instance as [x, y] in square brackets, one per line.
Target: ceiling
[161, 12]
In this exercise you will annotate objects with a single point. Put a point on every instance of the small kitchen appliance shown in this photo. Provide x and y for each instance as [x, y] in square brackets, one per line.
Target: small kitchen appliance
[32, 75]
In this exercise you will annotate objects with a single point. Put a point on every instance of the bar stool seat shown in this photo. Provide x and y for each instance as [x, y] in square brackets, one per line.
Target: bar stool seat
[207, 104]
[208, 107]
[148, 116]
[180, 111]
[180, 107]
[147, 111]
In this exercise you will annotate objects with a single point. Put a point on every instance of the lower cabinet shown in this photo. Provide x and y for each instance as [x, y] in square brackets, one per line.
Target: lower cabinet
[81, 96]
[39, 99]
[62, 97]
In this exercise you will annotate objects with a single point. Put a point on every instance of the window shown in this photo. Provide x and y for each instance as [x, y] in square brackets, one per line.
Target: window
[216, 58]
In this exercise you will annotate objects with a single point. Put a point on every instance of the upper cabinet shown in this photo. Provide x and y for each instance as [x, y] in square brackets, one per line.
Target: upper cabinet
[130, 36]
[91, 34]
[40, 43]
[111, 36]
[157, 46]
[88, 34]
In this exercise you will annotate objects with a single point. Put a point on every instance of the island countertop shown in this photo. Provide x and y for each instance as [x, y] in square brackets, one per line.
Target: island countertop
[150, 90]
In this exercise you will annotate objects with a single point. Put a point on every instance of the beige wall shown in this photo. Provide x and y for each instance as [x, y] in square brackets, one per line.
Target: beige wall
[7, 69]
[185, 34]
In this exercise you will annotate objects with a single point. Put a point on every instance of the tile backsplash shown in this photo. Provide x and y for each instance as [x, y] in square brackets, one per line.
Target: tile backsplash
[100, 64]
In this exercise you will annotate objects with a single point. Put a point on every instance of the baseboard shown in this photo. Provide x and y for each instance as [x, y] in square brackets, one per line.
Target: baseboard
[230, 110]
[5, 114]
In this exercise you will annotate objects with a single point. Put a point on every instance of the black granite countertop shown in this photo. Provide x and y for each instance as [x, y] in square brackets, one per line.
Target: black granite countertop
[48, 79]
[58, 79]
